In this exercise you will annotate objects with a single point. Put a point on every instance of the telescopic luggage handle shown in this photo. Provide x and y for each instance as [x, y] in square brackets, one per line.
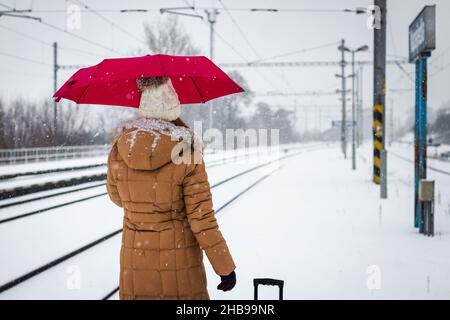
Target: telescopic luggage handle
[268, 282]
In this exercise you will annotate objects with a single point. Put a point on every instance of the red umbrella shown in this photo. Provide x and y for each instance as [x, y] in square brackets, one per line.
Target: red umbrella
[196, 79]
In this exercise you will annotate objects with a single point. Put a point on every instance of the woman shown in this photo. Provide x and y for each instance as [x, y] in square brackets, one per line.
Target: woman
[169, 218]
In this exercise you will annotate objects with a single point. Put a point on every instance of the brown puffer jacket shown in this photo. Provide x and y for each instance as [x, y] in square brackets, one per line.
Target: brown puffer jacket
[168, 215]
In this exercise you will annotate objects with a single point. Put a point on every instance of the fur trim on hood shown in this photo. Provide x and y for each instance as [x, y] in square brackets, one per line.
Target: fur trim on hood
[158, 127]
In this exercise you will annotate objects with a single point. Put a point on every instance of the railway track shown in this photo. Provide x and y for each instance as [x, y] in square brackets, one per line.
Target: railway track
[42, 210]
[14, 282]
[431, 168]
[41, 172]
[86, 178]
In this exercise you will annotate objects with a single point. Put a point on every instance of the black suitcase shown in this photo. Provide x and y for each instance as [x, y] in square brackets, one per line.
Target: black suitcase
[268, 282]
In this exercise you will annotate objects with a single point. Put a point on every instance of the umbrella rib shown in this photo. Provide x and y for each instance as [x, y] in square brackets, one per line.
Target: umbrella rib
[196, 88]
[90, 80]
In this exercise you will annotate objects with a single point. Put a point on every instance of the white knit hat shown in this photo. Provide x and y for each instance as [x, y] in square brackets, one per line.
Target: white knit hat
[160, 102]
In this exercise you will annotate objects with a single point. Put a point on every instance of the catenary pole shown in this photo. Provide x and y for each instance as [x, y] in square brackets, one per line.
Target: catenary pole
[353, 113]
[379, 128]
[212, 18]
[360, 133]
[55, 85]
[344, 91]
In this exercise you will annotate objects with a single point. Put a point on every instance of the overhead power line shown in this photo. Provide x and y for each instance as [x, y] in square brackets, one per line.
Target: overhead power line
[72, 34]
[256, 10]
[292, 94]
[24, 74]
[218, 34]
[229, 44]
[18, 14]
[10, 55]
[239, 29]
[233, 20]
[404, 72]
[48, 44]
[290, 53]
[83, 52]
[439, 70]
[444, 52]
[118, 27]
[82, 38]
[301, 64]
[25, 35]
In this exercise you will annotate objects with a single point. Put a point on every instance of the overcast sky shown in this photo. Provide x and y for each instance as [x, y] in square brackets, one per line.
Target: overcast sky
[320, 24]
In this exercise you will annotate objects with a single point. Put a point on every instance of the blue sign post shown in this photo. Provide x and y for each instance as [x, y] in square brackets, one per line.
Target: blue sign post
[420, 136]
[422, 40]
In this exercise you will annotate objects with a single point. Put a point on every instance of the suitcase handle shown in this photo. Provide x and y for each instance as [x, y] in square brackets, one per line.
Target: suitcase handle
[268, 282]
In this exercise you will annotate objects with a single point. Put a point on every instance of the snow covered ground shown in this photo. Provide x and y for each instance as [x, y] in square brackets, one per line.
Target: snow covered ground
[313, 223]
[39, 166]
[323, 229]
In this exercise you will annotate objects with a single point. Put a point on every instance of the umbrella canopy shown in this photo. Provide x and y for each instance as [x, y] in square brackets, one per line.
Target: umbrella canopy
[196, 79]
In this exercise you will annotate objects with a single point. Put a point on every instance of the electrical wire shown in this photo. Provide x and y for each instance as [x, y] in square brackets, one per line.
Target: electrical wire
[405, 72]
[290, 53]
[94, 43]
[25, 35]
[6, 54]
[48, 44]
[95, 12]
[440, 70]
[250, 44]
[445, 51]
[239, 29]
[231, 46]
[270, 10]
[26, 74]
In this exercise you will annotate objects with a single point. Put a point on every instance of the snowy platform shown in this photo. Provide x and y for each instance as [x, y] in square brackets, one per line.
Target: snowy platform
[324, 230]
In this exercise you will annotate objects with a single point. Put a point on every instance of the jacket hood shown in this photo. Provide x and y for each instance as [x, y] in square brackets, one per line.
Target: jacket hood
[148, 143]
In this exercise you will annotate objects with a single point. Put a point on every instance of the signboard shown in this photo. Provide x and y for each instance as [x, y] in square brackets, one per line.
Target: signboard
[422, 33]
[338, 124]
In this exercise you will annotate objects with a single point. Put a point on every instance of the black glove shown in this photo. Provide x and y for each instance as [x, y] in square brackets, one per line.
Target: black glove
[228, 282]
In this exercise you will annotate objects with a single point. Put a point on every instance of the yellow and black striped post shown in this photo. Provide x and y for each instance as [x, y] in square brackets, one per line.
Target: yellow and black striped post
[379, 91]
[377, 141]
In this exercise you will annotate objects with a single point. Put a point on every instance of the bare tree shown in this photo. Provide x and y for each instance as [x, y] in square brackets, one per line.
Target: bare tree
[169, 37]
[228, 110]
[25, 124]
